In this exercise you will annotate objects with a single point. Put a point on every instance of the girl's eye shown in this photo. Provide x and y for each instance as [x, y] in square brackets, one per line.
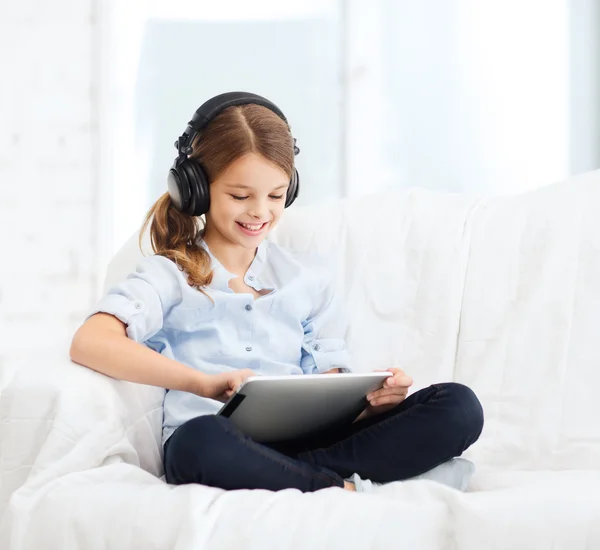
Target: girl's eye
[238, 198]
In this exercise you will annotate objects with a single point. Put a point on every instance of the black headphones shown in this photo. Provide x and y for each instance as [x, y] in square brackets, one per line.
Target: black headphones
[187, 180]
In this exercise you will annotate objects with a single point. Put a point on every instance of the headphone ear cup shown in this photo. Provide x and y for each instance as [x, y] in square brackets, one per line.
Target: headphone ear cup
[293, 189]
[179, 188]
[199, 186]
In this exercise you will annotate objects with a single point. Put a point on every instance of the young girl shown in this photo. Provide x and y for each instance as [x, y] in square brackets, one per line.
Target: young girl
[218, 303]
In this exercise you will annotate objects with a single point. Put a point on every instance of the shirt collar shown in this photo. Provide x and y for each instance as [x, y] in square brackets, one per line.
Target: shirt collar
[221, 276]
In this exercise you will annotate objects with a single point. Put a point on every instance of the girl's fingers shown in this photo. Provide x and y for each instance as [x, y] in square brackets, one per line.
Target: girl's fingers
[390, 391]
[386, 392]
[387, 399]
[398, 381]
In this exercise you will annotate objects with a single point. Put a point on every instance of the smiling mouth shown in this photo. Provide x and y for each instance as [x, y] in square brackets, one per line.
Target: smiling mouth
[252, 228]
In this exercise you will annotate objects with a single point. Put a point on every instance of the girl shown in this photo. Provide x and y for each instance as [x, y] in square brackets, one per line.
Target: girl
[218, 303]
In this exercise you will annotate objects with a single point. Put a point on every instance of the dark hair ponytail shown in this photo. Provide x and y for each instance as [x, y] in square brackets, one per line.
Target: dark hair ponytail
[174, 235]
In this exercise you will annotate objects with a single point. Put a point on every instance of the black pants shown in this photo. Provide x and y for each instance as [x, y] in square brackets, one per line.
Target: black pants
[430, 427]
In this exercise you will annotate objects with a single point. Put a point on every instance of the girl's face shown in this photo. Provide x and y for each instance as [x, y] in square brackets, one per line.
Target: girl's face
[247, 200]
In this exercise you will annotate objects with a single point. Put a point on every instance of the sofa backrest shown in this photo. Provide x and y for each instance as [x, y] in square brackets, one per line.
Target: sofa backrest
[499, 293]
[529, 340]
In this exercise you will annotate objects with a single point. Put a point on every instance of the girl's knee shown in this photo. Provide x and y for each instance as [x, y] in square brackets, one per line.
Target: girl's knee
[467, 412]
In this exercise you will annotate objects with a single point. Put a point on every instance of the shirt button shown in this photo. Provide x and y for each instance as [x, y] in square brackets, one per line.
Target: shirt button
[138, 305]
[251, 277]
[316, 347]
[248, 348]
[248, 307]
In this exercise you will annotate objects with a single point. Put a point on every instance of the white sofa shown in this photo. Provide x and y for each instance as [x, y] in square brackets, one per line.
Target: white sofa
[500, 293]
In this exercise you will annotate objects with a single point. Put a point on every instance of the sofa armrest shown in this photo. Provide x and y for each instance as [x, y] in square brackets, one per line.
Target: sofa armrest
[60, 418]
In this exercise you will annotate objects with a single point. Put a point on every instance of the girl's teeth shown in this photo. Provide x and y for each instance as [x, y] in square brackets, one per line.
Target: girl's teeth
[252, 227]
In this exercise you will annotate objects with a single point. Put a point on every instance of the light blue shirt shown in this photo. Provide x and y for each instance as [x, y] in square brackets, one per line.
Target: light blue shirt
[298, 327]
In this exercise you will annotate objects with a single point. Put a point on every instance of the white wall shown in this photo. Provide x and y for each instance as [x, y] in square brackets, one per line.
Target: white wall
[48, 133]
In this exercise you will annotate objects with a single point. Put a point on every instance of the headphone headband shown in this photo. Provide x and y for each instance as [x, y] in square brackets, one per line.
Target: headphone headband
[214, 106]
[209, 110]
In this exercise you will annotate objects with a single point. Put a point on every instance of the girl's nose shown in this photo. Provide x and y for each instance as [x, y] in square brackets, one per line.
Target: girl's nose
[259, 210]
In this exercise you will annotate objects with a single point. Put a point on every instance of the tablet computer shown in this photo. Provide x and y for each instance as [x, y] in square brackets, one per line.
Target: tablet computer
[280, 408]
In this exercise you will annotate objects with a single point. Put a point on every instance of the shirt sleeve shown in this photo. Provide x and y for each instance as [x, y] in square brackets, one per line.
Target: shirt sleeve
[324, 346]
[144, 297]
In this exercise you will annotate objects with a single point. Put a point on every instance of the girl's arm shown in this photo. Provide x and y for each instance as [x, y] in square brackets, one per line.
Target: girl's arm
[102, 344]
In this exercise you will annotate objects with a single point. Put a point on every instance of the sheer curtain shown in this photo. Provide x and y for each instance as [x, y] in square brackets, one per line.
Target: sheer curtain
[464, 95]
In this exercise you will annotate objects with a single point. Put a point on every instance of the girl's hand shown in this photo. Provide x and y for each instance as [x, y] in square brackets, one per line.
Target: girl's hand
[223, 385]
[393, 392]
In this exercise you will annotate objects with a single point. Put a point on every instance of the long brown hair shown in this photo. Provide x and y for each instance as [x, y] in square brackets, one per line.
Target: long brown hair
[236, 131]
